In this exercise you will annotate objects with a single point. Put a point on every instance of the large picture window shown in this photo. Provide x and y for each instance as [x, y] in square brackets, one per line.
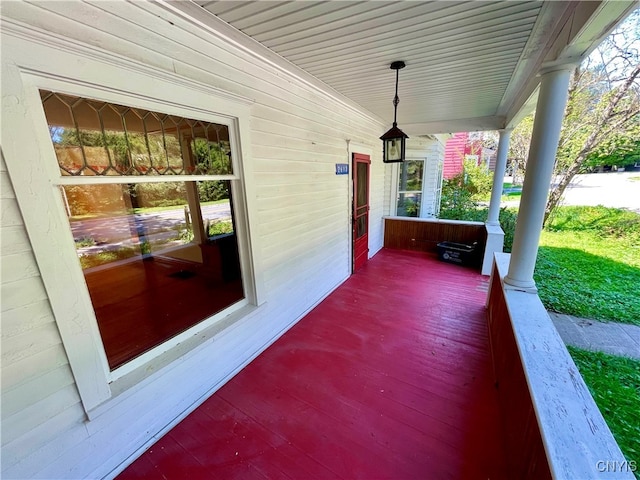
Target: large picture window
[149, 198]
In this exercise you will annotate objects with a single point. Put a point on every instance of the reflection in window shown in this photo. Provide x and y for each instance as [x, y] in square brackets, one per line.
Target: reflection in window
[410, 188]
[158, 257]
[91, 137]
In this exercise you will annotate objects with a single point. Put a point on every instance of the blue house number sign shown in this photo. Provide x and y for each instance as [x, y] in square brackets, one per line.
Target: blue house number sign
[342, 169]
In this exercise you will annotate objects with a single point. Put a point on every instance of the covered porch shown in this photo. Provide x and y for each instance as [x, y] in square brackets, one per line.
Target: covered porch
[389, 377]
[409, 368]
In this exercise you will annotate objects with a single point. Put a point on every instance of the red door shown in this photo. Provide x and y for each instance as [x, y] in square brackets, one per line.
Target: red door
[361, 165]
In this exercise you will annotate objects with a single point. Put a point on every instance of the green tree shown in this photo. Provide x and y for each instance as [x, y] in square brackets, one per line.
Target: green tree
[519, 148]
[621, 150]
[603, 104]
[211, 158]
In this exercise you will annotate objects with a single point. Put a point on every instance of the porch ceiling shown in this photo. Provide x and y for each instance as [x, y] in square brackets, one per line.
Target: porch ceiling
[470, 65]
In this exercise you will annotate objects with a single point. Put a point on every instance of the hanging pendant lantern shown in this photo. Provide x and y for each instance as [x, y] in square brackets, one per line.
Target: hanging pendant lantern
[393, 141]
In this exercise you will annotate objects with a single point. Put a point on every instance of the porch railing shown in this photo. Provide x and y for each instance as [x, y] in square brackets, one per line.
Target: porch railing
[423, 234]
[551, 424]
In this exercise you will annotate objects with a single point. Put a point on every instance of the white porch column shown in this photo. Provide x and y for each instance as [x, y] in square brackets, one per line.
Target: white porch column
[495, 235]
[498, 176]
[552, 99]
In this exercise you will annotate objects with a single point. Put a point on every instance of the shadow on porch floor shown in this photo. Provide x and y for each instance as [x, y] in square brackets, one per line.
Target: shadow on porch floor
[389, 377]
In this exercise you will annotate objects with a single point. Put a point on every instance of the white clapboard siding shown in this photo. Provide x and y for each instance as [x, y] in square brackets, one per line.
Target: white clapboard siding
[19, 266]
[31, 416]
[19, 347]
[295, 264]
[33, 367]
[21, 293]
[300, 126]
[291, 261]
[281, 225]
[37, 385]
[301, 188]
[32, 392]
[14, 240]
[388, 205]
[303, 236]
[269, 125]
[22, 320]
[59, 434]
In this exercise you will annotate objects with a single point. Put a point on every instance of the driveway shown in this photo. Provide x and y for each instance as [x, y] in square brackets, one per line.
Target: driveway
[616, 189]
[156, 227]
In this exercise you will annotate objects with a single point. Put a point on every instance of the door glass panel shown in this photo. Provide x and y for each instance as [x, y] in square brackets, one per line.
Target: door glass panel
[363, 183]
[361, 227]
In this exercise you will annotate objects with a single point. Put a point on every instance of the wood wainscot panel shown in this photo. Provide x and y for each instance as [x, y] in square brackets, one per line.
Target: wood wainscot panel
[423, 235]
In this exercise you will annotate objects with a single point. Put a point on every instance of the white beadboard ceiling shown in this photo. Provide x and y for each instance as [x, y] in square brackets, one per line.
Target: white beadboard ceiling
[470, 65]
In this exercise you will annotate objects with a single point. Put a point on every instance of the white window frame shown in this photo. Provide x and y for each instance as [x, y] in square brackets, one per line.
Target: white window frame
[438, 191]
[395, 173]
[396, 190]
[33, 167]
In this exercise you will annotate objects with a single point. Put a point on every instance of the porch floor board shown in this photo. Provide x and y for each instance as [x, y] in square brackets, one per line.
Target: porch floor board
[389, 377]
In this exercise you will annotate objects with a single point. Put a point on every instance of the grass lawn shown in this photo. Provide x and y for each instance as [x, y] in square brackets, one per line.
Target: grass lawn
[614, 383]
[173, 207]
[589, 264]
[513, 195]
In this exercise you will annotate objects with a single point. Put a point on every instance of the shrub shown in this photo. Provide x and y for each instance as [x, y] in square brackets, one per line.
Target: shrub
[220, 228]
[456, 200]
[603, 221]
[507, 218]
[211, 190]
[460, 202]
[85, 241]
[478, 180]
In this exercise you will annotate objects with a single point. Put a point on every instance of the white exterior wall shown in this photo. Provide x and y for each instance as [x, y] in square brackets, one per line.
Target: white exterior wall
[39, 398]
[300, 217]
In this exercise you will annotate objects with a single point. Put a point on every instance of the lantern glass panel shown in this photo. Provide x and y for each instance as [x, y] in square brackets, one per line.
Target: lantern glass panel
[393, 150]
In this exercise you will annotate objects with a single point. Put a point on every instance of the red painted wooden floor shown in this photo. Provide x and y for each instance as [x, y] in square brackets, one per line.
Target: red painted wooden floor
[389, 377]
